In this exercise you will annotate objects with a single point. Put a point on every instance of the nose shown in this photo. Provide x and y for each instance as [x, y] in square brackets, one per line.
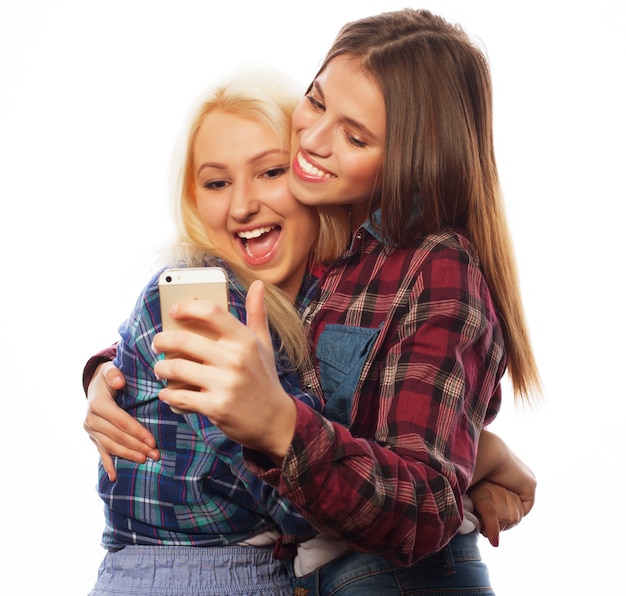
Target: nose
[316, 137]
[244, 201]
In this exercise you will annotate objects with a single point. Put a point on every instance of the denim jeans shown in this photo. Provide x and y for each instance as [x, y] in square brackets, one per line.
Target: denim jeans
[456, 569]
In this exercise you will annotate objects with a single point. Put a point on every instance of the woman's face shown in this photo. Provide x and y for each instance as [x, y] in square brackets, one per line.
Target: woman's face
[338, 137]
[244, 201]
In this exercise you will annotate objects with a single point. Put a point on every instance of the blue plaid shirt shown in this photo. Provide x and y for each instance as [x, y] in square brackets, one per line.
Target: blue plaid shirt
[200, 493]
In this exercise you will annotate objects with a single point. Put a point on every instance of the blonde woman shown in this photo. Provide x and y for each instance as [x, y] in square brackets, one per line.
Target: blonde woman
[196, 521]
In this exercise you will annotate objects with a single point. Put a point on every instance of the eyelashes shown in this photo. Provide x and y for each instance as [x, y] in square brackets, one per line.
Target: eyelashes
[318, 106]
[272, 173]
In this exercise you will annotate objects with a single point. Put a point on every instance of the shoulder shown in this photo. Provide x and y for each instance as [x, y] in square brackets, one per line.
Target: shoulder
[448, 261]
[151, 289]
[449, 242]
[447, 249]
[146, 311]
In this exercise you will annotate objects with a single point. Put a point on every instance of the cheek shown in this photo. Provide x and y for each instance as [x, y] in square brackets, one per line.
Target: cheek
[302, 120]
[307, 232]
[366, 171]
[203, 212]
[212, 216]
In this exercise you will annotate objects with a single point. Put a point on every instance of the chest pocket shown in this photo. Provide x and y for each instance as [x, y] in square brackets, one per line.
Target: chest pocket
[341, 352]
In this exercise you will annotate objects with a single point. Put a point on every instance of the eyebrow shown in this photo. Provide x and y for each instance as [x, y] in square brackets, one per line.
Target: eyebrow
[351, 121]
[254, 159]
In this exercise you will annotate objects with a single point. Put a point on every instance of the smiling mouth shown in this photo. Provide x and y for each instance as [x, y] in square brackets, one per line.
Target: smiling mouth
[259, 242]
[311, 170]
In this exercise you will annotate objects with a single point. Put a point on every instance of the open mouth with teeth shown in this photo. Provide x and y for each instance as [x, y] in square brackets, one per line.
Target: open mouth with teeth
[308, 170]
[257, 245]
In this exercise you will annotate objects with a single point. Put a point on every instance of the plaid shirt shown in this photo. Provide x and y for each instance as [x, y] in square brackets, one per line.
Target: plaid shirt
[410, 355]
[200, 493]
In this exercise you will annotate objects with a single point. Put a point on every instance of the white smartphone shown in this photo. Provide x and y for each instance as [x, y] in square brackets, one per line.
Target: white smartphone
[193, 283]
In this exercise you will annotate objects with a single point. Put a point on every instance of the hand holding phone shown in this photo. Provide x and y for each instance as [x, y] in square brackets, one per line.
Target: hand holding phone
[193, 283]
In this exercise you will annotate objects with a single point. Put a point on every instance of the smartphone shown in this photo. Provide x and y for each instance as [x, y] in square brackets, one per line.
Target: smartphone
[193, 283]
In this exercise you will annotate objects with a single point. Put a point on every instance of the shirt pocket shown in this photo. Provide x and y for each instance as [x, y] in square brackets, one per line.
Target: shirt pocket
[341, 352]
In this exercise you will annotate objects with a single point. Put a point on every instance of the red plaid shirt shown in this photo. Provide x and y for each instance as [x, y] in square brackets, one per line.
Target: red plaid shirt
[421, 326]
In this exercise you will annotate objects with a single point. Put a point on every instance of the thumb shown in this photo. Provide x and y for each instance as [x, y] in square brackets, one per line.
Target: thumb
[256, 314]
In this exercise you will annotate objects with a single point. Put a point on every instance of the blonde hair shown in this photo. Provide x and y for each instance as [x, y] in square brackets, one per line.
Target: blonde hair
[268, 97]
[439, 153]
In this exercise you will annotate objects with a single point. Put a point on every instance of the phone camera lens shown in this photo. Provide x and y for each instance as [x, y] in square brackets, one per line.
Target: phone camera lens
[168, 279]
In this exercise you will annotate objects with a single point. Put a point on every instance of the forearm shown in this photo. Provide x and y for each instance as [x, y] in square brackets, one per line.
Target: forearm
[94, 362]
[114, 430]
[499, 465]
[492, 456]
[364, 494]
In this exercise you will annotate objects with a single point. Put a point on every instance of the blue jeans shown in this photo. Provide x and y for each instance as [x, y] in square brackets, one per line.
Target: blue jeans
[456, 569]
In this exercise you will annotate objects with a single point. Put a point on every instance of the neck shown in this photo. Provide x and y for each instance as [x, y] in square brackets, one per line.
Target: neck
[358, 212]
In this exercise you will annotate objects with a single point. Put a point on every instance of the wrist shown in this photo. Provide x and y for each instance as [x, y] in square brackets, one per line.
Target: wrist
[284, 429]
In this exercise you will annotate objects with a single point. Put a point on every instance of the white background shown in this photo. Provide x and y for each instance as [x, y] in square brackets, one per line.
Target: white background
[92, 97]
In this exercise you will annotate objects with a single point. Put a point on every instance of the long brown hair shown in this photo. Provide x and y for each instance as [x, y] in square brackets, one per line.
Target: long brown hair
[439, 152]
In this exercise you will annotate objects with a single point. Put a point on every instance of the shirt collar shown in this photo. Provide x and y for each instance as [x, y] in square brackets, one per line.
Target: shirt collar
[373, 226]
